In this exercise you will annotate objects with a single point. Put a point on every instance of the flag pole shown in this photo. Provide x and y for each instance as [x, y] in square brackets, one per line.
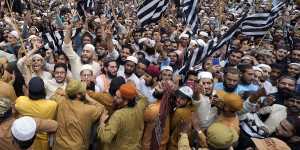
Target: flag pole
[260, 42]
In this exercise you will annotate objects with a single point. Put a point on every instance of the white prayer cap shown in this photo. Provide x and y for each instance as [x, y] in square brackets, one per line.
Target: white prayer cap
[205, 75]
[264, 66]
[183, 35]
[132, 58]
[212, 18]
[87, 67]
[166, 68]
[187, 91]
[37, 56]
[192, 43]
[31, 37]
[24, 128]
[205, 34]
[255, 68]
[148, 42]
[15, 34]
[296, 64]
[90, 47]
[246, 58]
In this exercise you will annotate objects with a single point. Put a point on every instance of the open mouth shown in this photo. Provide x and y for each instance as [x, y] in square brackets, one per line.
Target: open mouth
[35, 67]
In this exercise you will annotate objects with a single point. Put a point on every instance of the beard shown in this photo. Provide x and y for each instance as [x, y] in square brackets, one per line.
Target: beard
[84, 61]
[150, 51]
[128, 73]
[229, 89]
[244, 82]
[149, 83]
[293, 110]
[284, 92]
[82, 97]
[117, 105]
[209, 94]
[157, 95]
[110, 75]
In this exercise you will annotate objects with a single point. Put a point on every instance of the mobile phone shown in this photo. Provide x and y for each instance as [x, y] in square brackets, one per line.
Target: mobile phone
[216, 61]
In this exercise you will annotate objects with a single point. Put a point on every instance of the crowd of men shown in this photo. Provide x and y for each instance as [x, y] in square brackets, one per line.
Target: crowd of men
[75, 76]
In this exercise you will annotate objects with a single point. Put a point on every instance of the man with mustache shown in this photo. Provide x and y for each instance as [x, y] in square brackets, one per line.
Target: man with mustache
[149, 80]
[128, 73]
[76, 61]
[110, 72]
[231, 80]
[126, 121]
[293, 105]
[76, 114]
[286, 86]
[247, 77]
[205, 102]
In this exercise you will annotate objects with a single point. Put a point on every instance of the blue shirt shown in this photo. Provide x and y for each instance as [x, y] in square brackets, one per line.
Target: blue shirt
[248, 88]
[220, 86]
[240, 88]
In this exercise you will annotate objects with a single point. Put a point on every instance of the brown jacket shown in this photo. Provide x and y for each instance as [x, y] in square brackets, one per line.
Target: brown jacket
[75, 119]
[6, 90]
[180, 114]
[103, 98]
[124, 129]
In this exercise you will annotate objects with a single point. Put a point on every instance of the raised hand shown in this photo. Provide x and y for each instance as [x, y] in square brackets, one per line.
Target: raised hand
[104, 116]
[198, 89]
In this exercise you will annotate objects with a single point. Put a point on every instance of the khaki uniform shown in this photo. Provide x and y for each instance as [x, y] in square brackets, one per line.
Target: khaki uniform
[124, 129]
[151, 114]
[75, 119]
[103, 98]
[6, 90]
[181, 114]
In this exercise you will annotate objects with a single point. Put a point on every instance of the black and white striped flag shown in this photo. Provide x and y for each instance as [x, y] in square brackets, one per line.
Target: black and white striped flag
[196, 56]
[256, 24]
[252, 25]
[200, 53]
[189, 8]
[56, 38]
[151, 11]
[260, 23]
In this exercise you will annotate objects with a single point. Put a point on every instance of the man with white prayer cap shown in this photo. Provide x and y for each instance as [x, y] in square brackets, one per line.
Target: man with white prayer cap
[166, 73]
[293, 70]
[129, 71]
[24, 129]
[266, 70]
[20, 133]
[37, 66]
[76, 61]
[87, 75]
[203, 101]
